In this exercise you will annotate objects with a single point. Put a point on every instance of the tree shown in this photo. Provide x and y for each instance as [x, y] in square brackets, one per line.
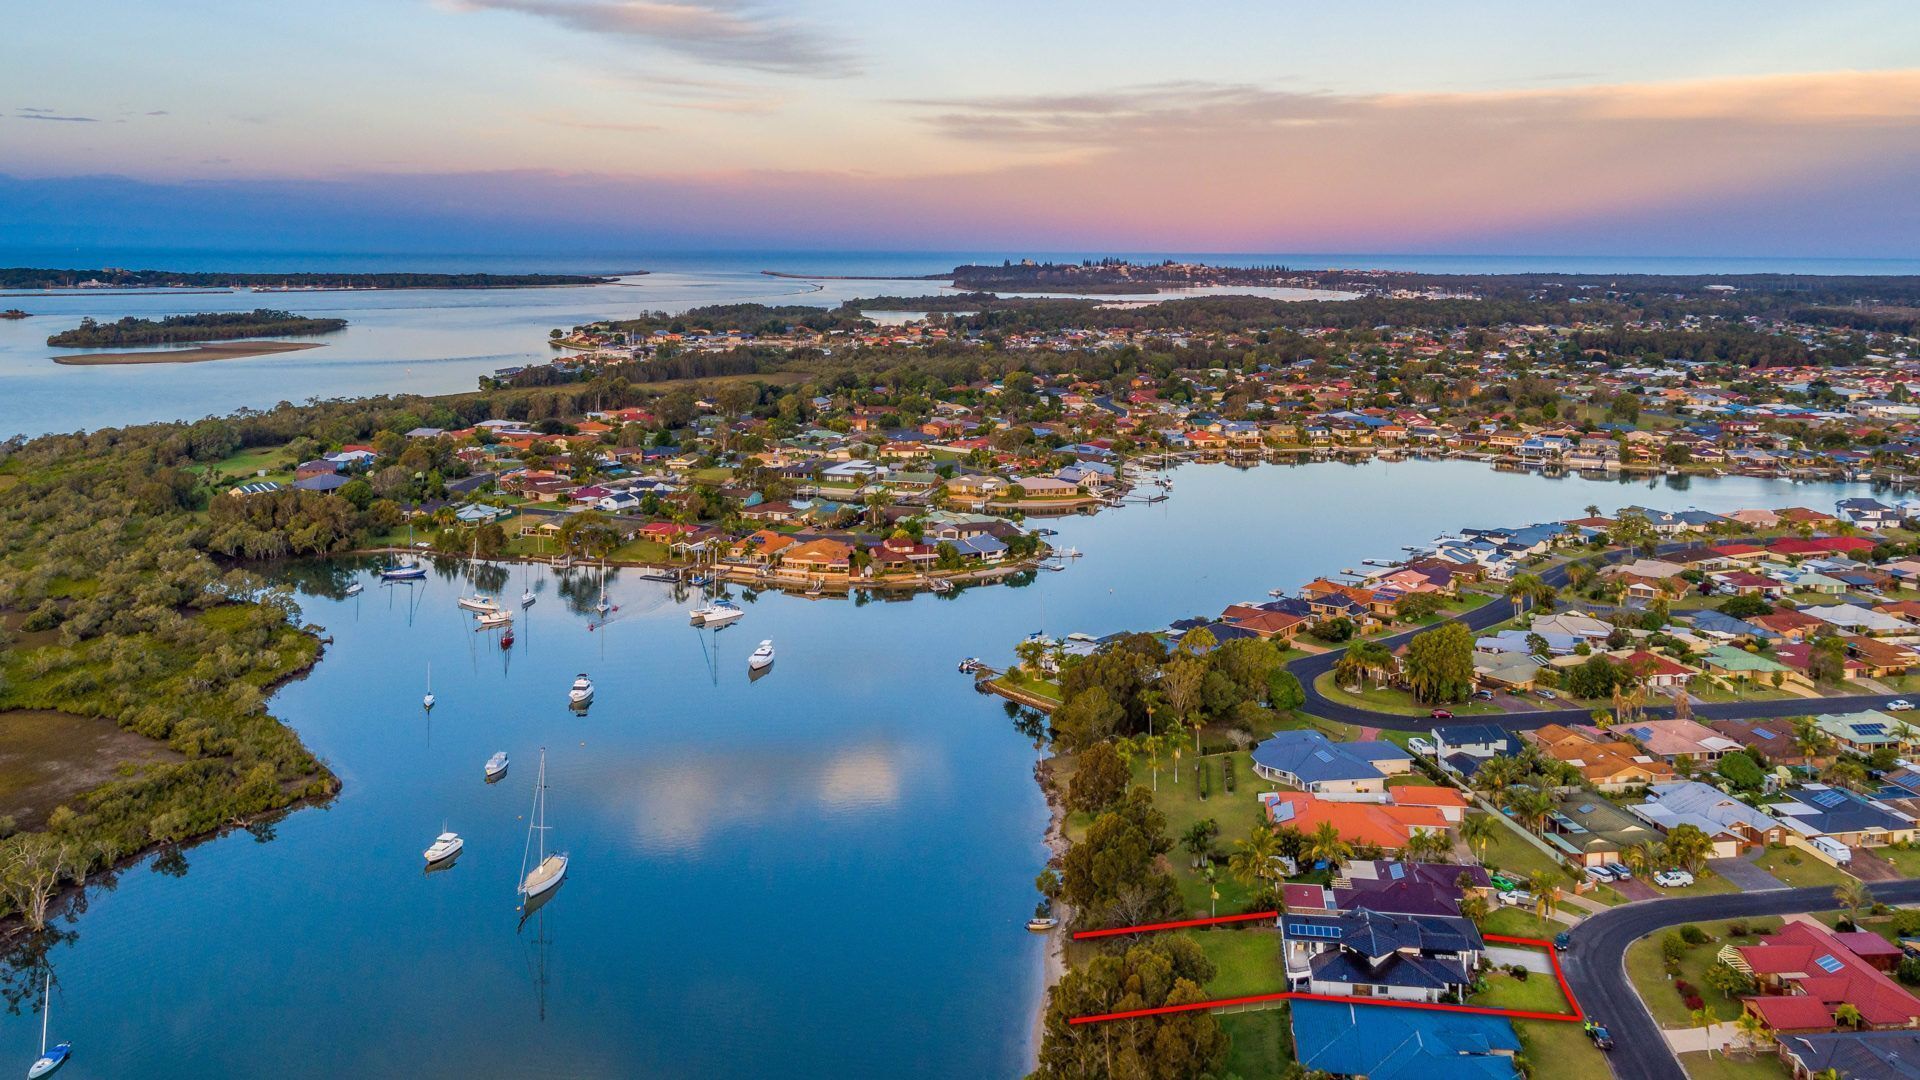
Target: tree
[1754, 1031]
[1426, 846]
[1745, 606]
[1827, 660]
[1530, 808]
[1416, 606]
[1530, 589]
[1163, 970]
[1741, 771]
[1853, 895]
[1111, 877]
[1100, 778]
[1687, 846]
[1284, 691]
[1809, 739]
[1545, 886]
[1439, 664]
[1632, 530]
[1198, 839]
[1703, 1018]
[1730, 982]
[1847, 1016]
[1254, 861]
[1086, 718]
[1180, 682]
[1477, 831]
[1325, 844]
[1596, 677]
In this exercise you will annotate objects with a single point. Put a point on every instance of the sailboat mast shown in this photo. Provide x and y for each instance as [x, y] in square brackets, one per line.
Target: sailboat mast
[46, 1012]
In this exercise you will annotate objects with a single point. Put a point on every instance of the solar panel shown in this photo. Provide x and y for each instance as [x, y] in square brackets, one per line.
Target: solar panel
[1869, 729]
[1396, 871]
[1828, 964]
[1828, 798]
[1588, 808]
[1764, 733]
[1313, 930]
[1322, 755]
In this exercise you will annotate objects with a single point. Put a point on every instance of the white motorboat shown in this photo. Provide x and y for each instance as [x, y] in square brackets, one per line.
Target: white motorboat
[49, 1059]
[354, 589]
[445, 846]
[527, 598]
[495, 618]
[497, 765]
[427, 700]
[480, 602]
[762, 657]
[548, 867]
[582, 691]
[716, 613]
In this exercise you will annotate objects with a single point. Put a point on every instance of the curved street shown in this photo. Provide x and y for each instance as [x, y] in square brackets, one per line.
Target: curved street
[1596, 967]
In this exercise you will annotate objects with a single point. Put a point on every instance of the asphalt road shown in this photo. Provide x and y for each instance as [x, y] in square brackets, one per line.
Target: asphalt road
[1309, 668]
[1596, 967]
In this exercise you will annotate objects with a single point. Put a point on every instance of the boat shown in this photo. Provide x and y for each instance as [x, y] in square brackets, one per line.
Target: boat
[49, 1059]
[940, 585]
[497, 765]
[527, 598]
[445, 846]
[495, 618]
[406, 567]
[762, 657]
[582, 691]
[506, 639]
[548, 868]
[970, 665]
[1071, 553]
[427, 701]
[1040, 924]
[480, 602]
[715, 613]
[354, 589]
[603, 607]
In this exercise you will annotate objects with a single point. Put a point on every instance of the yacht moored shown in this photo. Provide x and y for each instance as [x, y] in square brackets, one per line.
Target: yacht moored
[497, 766]
[582, 691]
[550, 867]
[354, 589]
[480, 602]
[762, 657]
[715, 613]
[445, 846]
[495, 618]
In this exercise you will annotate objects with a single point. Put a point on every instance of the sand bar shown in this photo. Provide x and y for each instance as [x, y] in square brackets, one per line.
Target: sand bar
[212, 350]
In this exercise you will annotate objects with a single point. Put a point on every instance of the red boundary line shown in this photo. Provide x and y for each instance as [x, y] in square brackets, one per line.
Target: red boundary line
[1553, 957]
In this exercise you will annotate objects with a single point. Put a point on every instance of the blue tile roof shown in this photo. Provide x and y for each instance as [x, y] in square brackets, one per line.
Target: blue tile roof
[1387, 1043]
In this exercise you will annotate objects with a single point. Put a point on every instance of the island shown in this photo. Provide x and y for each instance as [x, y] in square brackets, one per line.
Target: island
[205, 326]
[22, 277]
[13, 313]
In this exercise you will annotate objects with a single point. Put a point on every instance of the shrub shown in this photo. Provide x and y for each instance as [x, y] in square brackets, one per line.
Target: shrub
[1693, 935]
[1672, 945]
[1694, 1001]
[1845, 926]
[1518, 972]
[1683, 987]
[1739, 929]
[1906, 922]
[1908, 970]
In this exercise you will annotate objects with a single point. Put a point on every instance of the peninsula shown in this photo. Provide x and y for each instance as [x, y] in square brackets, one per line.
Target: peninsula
[22, 277]
[205, 326]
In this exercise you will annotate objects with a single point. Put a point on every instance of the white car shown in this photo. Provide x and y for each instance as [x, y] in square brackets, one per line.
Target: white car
[1899, 704]
[1519, 898]
[1673, 879]
[1420, 746]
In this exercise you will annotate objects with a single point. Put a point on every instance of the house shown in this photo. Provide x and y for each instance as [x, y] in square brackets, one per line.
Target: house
[1774, 739]
[1865, 731]
[1398, 888]
[1308, 760]
[1341, 1039]
[1608, 764]
[1670, 740]
[1387, 825]
[1591, 831]
[822, 555]
[1893, 1054]
[1734, 827]
[256, 487]
[1805, 972]
[1739, 665]
[1375, 954]
[1265, 621]
[1854, 619]
[1655, 670]
[1868, 513]
[1461, 748]
[318, 467]
[1852, 819]
[325, 483]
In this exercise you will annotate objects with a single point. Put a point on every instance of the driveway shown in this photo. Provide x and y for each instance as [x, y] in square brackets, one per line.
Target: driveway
[1637, 888]
[1868, 865]
[1746, 876]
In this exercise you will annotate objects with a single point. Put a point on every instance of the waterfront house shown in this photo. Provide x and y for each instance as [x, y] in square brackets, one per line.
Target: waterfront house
[1373, 954]
[1308, 760]
[1387, 825]
[1868, 513]
[1402, 1044]
[1395, 887]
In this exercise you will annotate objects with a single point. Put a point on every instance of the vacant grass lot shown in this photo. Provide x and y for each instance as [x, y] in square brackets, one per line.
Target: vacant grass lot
[1247, 959]
[1798, 869]
[1535, 993]
[1561, 1051]
[1262, 1043]
[1742, 1066]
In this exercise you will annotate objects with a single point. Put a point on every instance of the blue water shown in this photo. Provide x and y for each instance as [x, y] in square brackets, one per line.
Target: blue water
[822, 873]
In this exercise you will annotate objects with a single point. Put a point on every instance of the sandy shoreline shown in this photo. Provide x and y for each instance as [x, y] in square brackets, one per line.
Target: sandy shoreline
[212, 350]
[1053, 961]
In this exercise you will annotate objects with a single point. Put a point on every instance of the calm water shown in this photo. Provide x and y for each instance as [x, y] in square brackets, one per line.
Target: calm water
[822, 873]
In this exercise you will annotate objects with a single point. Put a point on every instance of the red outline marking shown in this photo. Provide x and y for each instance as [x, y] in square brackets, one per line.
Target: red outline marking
[1143, 928]
[1578, 1015]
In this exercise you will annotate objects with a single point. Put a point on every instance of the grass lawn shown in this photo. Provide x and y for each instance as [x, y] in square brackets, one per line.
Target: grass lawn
[1520, 922]
[1537, 993]
[1391, 700]
[1247, 959]
[652, 551]
[1798, 869]
[1647, 969]
[1561, 1050]
[1041, 688]
[1740, 1066]
[1705, 883]
[712, 476]
[1907, 859]
[1332, 729]
[1509, 850]
[1262, 1043]
[247, 462]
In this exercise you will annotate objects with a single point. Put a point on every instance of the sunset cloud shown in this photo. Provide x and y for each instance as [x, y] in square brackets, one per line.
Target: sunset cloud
[730, 33]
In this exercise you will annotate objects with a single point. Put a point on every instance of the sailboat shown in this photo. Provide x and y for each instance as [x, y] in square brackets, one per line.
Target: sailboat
[526, 591]
[551, 867]
[603, 607]
[428, 699]
[405, 568]
[49, 1060]
[492, 619]
[762, 657]
[481, 603]
[354, 588]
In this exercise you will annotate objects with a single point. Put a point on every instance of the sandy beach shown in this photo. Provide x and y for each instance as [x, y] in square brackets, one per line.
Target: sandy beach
[212, 350]
[1053, 964]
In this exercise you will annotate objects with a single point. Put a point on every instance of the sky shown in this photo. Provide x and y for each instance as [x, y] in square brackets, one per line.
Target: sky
[1750, 128]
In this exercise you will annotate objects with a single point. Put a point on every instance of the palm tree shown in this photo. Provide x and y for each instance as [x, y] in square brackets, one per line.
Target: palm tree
[1325, 844]
[1688, 846]
[1151, 745]
[1530, 808]
[1477, 831]
[1253, 862]
[1753, 1030]
[1527, 589]
[1426, 845]
[1545, 886]
[1703, 1018]
[1808, 738]
[1474, 906]
[1643, 857]
[1847, 1016]
[1853, 895]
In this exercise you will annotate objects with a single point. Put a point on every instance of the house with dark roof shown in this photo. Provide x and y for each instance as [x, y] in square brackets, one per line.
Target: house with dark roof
[1853, 819]
[1880, 1055]
[1402, 1044]
[1308, 760]
[1373, 954]
[1404, 888]
[1462, 748]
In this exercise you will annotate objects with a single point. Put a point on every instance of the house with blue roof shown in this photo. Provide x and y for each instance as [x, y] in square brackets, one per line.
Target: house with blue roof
[1373, 954]
[1310, 761]
[1853, 819]
[1402, 1044]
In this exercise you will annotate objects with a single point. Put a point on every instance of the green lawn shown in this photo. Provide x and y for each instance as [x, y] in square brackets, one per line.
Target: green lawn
[1741, 1066]
[1247, 959]
[1537, 993]
[1561, 1050]
[247, 462]
[1705, 883]
[1511, 851]
[1907, 859]
[1647, 969]
[1262, 1043]
[1799, 869]
[651, 551]
[1520, 922]
[1391, 700]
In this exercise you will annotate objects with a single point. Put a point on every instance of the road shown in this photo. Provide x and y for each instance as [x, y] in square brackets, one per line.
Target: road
[1596, 967]
[1309, 668]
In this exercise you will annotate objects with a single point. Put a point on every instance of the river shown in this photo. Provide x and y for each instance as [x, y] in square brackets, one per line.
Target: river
[821, 873]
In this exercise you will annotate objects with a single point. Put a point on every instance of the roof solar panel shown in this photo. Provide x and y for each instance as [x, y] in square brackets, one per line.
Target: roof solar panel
[1828, 964]
[1396, 871]
[1322, 755]
[1828, 798]
[1870, 729]
[1764, 733]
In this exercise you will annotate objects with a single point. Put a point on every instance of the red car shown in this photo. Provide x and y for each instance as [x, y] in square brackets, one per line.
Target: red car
[1442, 714]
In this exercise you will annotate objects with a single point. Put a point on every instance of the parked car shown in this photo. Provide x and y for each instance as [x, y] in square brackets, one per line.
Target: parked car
[1442, 714]
[1504, 883]
[1673, 879]
[1420, 746]
[1549, 695]
[1620, 873]
[1520, 898]
[1600, 873]
[1483, 695]
[1899, 704]
[1562, 941]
